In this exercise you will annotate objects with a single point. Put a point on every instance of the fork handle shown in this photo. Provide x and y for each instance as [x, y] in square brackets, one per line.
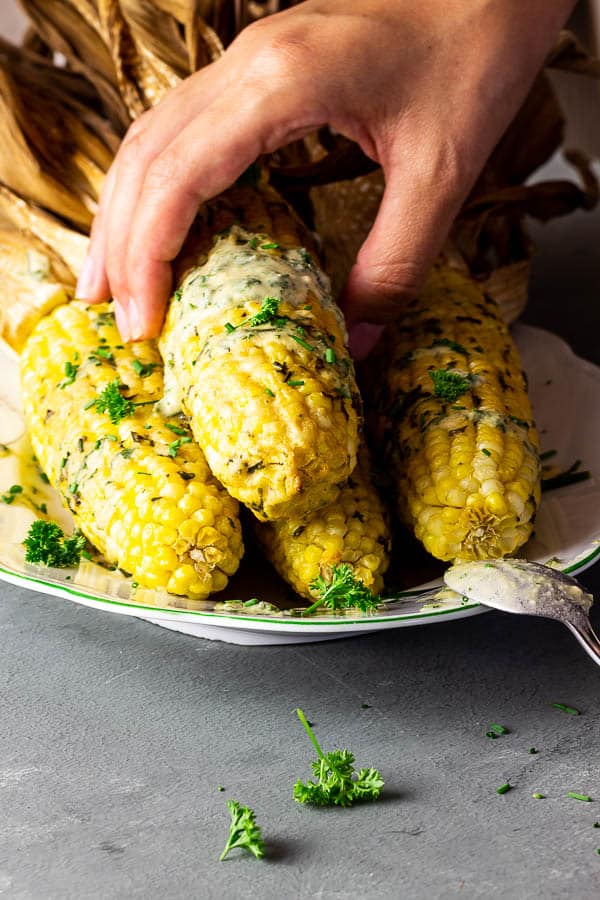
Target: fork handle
[587, 637]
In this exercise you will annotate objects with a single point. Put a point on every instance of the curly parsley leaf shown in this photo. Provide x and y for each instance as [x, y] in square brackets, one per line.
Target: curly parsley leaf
[337, 782]
[46, 544]
[112, 402]
[448, 385]
[243, 831]
[342, 591]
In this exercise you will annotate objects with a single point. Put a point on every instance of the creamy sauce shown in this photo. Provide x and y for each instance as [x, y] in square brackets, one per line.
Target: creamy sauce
[517, 585]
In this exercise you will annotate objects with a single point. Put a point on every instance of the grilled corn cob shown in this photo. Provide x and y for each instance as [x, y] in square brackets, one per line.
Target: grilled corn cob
[256, 348]
[353, 530]
[137, 485]
[456, 425]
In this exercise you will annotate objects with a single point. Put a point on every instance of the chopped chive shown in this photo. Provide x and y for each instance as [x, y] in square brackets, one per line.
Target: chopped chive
[270, 245]
[596, 825]
[251, 602]
[97, 444]
[486, 452]
[143, 369]
[568, 709]
[330, 355]
[73, 488]
[491, 734]
[43, 508]
[135, 584]
[532, 750]
[220, 787]
[295, 383]
[176, 429]
[503, 788]
[538, 796]
[174, 447]
[63, 462]
[498, 729]
[110, 437]
[229, 327]
[142, 473]
[302, 342]
[365, 706]
[44, 478]
[269, 392]
[574, 796]
[89, 404]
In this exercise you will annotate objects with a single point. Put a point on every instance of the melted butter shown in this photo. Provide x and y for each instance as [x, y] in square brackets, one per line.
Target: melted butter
[517, 585]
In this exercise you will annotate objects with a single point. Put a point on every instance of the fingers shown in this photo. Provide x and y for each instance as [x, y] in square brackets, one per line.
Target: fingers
[420, 201]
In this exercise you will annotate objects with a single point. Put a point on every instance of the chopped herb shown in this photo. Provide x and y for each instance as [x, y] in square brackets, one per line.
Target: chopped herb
[70, 373]
[486, 452]
[97, 444]
[342, 591]
[73, 488]
[135, 584]
[295, 383]
[253, 243]
[302, 342]
[538, 797]
[448, 385]
[143, 369]
[269, 392]
[177, 295]
[176, 429]
[338, 783]
[243, 831]
[498, 729]
[89, 404]
[142, 473]
[11, 493]
[112, 402]
[47, 544]
[365, 706]
[174, 447]
[229, 327]
[574, 796]
[330, 356]
[44, 478]
[564, 479]
[452, 345]
[518, 421]
[43, 508]
[532, 750]
[126, 453]
[63, 461]
[101, 353]
[251, 602]
[568, 709]
[220, 787]
[596, 825]
[270, 245]
[503, 788]
[266, 313]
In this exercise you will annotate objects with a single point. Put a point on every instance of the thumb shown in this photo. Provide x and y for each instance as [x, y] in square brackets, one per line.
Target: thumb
[413, 220]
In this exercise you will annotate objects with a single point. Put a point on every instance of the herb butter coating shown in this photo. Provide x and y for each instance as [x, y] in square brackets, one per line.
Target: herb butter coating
[256, 350]
[136, 483]
[451, 413]
[354, 530]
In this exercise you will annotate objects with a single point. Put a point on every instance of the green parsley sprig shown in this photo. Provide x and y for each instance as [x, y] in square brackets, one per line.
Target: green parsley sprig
[338, 783]
[243, 831]
[46, 544]
[267, 313]
[112, 402]
[342, 591]
[448, 385]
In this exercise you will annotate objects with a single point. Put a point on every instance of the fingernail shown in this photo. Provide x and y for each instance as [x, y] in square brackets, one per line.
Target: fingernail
[135, 320]
[85, 282]
[362, 338]
[122, 321]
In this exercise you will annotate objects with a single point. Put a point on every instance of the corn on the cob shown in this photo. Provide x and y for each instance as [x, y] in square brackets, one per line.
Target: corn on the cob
[353, 530]
[456, 424]
[137, 485]
[256, 347]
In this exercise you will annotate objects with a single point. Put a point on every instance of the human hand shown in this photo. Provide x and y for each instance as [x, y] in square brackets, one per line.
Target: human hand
[425, 87]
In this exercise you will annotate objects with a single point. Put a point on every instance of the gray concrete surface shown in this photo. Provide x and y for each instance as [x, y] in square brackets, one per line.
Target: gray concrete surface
[116, 734]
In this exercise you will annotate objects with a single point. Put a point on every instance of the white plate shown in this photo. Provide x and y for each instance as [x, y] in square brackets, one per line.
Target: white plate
[565, 393]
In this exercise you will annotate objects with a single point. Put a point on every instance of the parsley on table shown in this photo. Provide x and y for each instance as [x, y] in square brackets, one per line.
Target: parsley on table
[342, 591]
[243, 831]
[338, 783]
[47, 544]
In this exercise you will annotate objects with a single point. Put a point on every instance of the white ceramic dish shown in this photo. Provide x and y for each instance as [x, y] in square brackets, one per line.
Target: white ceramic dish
[565, 392]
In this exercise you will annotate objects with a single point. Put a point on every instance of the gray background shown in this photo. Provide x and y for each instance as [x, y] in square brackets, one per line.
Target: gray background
[115, 735]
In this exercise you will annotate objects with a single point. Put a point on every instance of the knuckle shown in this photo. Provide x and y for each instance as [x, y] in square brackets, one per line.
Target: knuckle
[277, 51]
[163, 172]
[394, 279]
